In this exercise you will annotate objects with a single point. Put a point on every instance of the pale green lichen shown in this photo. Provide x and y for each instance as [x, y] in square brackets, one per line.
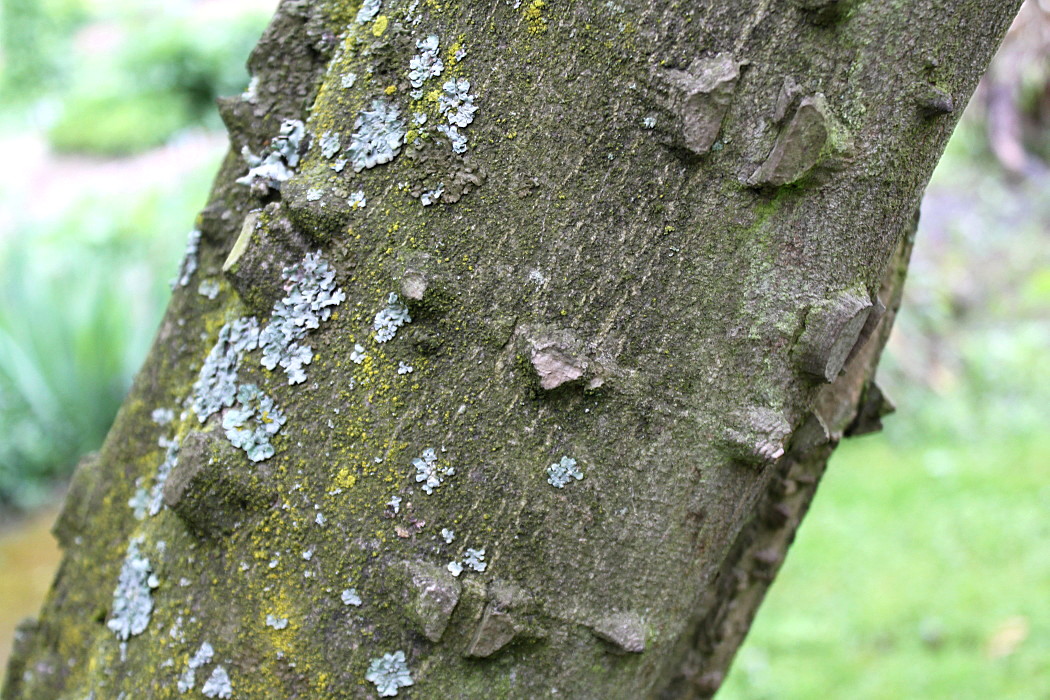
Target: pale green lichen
[311, 296]
[216, 385]
[388, 320]
[369, 9]
[252, 422]
[427, 471]
[329, 144]
[278, 623]
[456, 102]
[389, 672]
[202, 656]
[427, 64]
[562, 472]
[218, 684]
[208, 288]
[275, 166]
[171, 456]
[475, 559]
[132, 597]
[189, 260]
[379, 133]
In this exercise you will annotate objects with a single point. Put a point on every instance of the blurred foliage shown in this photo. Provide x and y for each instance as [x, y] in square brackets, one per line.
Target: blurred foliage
[81, 292]
[80, 298]
[33, 34]
[163, 76]
[1013, 101]
[118, 125]
[120, 77]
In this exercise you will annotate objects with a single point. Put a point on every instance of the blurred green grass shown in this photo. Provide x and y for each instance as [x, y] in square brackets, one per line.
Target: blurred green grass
[922, 571]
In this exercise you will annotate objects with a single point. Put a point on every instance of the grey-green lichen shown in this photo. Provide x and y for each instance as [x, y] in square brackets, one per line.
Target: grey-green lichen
[475, 559]
[218, 684]
[277, 164]
[202, 656]
[171, 456]
[189, 260]
[216, 385]
[389, 672]
[379, 133]
[132, 598]
[428, 472]
[312, 293]
[278, 623]
[369, 9]
[426, 64]
[251, 423]
[390, 319]
[563, 472]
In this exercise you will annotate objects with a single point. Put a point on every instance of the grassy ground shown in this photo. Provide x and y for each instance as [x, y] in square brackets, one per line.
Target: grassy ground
[921, 572]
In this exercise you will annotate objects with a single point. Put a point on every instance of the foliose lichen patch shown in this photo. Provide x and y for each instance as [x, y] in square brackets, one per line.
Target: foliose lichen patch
[218, 684]
[390, 319]
[563, 472]
[389, 672]
[189, 260]
[132, 598]
[202, 656]
[428, 472]
[379, 133]
[312, 294]
[216, 386]
[276, 165]
[252, 422]
[473, 559]
[171, 456]
[369, 9]
[426, 64]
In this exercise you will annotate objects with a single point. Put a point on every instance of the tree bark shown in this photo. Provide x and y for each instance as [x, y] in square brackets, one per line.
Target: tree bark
[646, 302]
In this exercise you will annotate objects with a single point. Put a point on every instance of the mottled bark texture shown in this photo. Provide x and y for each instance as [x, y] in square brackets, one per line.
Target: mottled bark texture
[670, 253]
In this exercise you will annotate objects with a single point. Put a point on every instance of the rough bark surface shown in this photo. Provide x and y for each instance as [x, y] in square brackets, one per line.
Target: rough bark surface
[671, 252]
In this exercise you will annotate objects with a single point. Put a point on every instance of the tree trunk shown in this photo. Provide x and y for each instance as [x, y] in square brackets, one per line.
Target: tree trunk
[552, 425]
